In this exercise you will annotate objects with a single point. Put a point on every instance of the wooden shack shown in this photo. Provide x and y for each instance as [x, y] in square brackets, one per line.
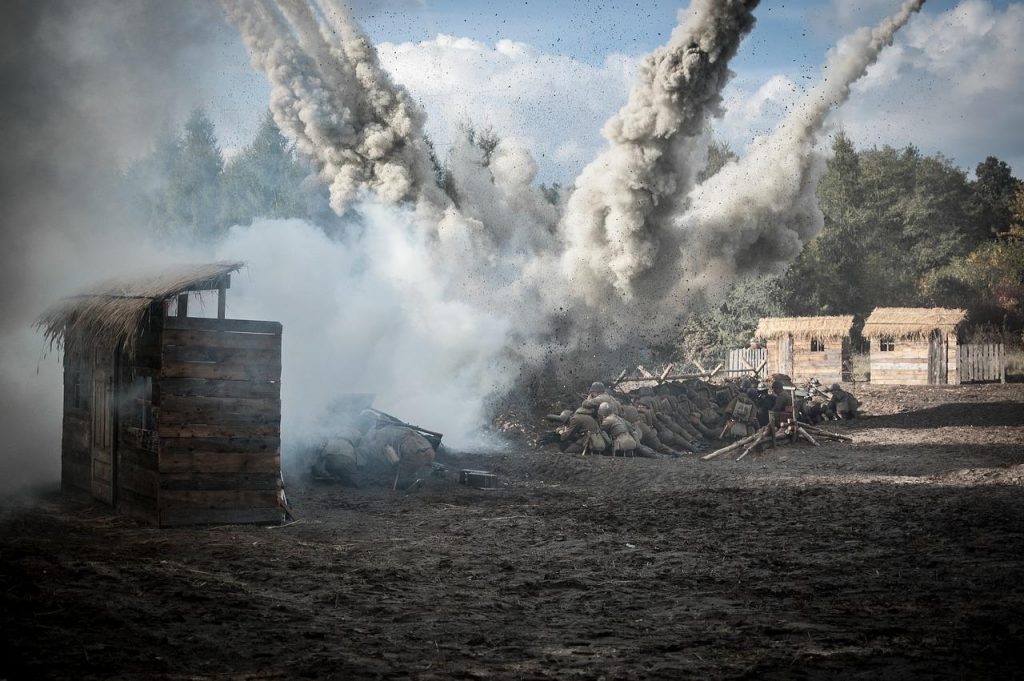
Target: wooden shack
[171, 418]
[807, 347]
[914, 346]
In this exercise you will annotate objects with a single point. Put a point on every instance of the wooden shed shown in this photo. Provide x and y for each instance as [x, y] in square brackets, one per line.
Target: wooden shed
[170, 418]
[807, 347]
[914, 345]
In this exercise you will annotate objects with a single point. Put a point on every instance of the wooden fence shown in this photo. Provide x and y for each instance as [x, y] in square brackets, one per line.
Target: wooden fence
[747, 361]
[982, 363]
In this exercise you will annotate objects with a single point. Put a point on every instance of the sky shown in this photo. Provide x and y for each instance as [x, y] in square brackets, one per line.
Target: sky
[552, 73]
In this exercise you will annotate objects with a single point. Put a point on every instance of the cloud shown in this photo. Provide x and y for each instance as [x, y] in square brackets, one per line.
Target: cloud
[554, 103]
[950, 83]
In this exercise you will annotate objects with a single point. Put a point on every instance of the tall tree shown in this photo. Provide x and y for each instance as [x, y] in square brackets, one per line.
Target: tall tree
[195, 185]
[994, 191]
[264, 179]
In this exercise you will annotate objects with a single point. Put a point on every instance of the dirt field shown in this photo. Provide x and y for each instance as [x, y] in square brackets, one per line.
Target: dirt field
[901, 555]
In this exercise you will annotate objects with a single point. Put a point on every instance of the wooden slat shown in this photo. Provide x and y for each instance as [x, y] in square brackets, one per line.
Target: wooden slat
[228, 372]
[201, 387]
[220, 462]
[219, 355]
[219, 499]
[235, 325]
[176, 517]
[226, 445]
[169, 420]
[213, 406]
[213, 430]
[220, 481]
[204, 338]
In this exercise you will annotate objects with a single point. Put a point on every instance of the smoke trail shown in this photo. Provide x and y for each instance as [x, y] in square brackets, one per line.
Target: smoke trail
[756, 214]
[330, 96]
[615, 218]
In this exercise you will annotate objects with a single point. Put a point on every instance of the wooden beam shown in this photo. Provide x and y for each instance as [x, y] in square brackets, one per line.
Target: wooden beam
[222, 300]
[183, 305]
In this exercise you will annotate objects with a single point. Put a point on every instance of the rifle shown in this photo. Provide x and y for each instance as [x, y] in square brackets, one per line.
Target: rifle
[433, 437]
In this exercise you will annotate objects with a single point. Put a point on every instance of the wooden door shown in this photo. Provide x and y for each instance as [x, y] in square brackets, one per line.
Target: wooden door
[786, 355]
[102, 431]
[937, 368]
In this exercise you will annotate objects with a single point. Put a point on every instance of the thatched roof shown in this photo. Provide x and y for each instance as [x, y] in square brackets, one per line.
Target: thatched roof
[111, 312]
[911, 322]
[804, 327]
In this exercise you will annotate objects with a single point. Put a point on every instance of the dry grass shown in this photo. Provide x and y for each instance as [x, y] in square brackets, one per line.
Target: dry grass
[110, 314]
[804, 327]
[911, 322]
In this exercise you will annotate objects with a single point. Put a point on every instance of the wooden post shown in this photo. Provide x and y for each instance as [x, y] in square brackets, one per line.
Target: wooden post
[222, 300]
[1002, 364]
[183, 305]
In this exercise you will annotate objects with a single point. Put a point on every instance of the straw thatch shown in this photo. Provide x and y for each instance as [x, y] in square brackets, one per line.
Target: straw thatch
[111, 313]
[804, 327]
[912, 322]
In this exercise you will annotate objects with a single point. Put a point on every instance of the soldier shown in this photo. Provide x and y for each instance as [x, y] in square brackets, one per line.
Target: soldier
[765, 403]
[387, 447]
[617, 429]
[843, 404]
[644, 434]
[337, 457]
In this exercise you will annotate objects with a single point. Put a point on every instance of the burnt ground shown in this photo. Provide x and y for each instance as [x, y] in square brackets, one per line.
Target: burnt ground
[900, 555]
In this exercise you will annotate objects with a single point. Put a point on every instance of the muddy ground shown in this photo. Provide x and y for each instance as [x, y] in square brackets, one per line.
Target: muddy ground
[899, 556]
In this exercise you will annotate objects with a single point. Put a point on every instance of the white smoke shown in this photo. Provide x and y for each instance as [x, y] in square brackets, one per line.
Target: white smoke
[439, 302]
[331, 97]
[656, 145]
[757, 213]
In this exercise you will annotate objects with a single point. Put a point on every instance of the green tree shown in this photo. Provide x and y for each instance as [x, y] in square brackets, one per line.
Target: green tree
[264, 179]
[195, 185]
[994, 192]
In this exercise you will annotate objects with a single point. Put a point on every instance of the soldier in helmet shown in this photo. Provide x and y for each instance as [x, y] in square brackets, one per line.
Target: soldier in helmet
[843, 404]
[617, 429]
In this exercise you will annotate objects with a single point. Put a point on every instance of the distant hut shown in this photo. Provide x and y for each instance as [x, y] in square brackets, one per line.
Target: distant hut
[170, 418]
[807, 347]
[914, 345]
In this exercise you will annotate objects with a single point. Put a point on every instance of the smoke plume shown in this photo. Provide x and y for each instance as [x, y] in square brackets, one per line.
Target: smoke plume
[615, 219]
[757, 213]
[332, 98]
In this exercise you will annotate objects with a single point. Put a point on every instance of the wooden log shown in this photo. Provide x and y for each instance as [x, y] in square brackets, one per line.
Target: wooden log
[751, 448]
[221, 339]
[804, 434]
[734, 446]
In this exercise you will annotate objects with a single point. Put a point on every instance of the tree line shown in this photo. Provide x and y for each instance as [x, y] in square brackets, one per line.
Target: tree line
[901, 228]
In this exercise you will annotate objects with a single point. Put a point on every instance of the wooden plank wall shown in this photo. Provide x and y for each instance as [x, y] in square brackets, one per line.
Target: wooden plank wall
[76, 435]
[907, 364]
[219, 421]
[982, 362]
[826, 365]
[740, 361]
